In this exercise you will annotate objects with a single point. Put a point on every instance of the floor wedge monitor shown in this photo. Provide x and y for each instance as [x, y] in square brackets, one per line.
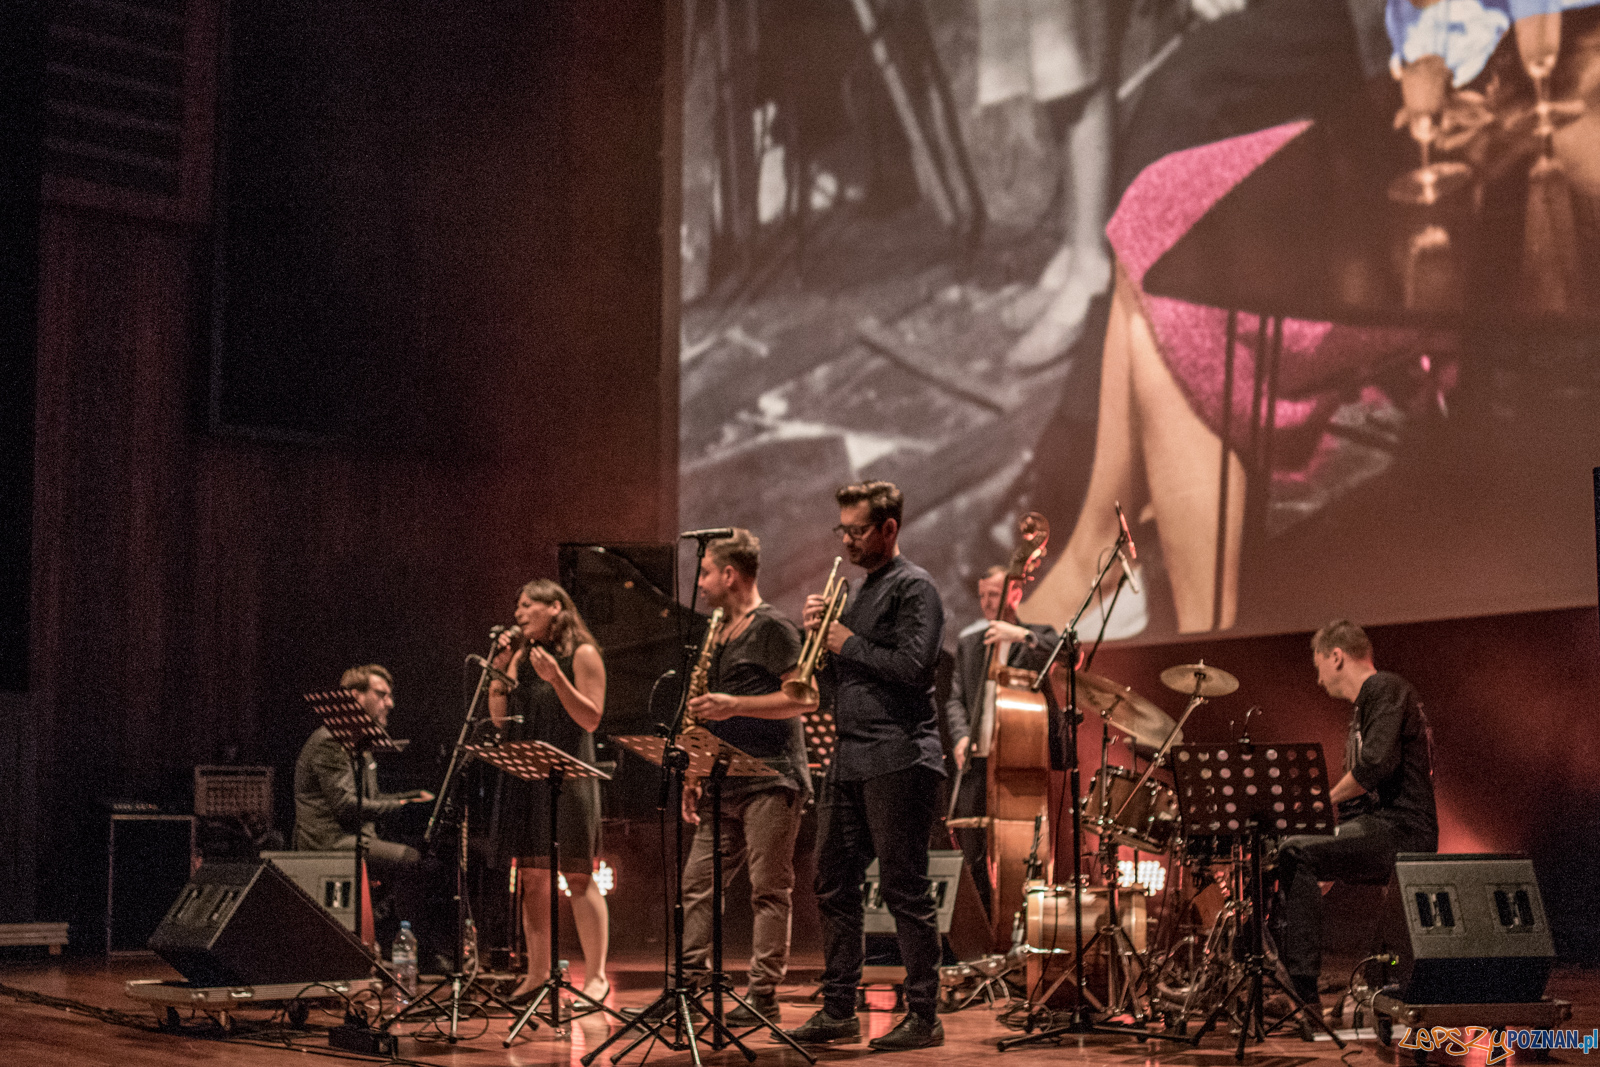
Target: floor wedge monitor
[1467, 929]
[238, 924]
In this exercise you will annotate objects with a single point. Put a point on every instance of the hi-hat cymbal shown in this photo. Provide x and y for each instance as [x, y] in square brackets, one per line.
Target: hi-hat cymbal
[1212, 681]
[1125, 709]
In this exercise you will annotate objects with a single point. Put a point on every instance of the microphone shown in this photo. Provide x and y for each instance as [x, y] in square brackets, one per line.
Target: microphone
[1127, 535]
[707, 535]
[1133, 583]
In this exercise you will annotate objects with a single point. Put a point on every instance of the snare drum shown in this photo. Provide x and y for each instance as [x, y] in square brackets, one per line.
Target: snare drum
[1147, 822]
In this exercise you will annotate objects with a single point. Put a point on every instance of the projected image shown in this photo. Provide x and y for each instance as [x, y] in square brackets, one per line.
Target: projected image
[1047, 256]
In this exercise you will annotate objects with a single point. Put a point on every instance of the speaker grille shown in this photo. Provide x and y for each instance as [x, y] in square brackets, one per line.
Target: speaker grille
[114, 93]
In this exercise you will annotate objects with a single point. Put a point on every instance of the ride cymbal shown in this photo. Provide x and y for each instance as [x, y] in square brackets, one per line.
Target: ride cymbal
[1125, 709]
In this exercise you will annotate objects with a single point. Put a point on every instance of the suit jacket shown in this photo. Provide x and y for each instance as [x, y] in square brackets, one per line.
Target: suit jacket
[325, 811]
[966, 682]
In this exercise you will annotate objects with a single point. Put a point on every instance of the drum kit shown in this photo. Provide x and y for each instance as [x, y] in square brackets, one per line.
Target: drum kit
[1145, 968]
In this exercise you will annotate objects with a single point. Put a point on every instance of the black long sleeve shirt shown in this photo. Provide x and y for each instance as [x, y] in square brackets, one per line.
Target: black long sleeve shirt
[1388, 753]
[883, 676]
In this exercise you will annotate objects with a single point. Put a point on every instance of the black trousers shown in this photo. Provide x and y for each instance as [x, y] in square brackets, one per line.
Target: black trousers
[1362, 852]
[888, 818]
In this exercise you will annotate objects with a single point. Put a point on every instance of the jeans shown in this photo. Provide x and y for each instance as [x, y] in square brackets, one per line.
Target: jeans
[758, 827]
[1361, 852]
[888, 817]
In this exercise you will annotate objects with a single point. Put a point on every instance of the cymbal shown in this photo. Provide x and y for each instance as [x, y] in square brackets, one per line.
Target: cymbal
[1213, 681]
[1125, 709]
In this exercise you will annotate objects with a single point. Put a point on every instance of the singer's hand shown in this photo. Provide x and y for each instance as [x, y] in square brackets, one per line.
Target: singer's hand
[505, 647]
[838, 634]
[1005, 631]
[714, 707]
[691, 803]
[959, 753]
[543, 664]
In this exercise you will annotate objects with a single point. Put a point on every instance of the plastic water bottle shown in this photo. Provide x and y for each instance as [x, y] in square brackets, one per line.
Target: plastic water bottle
[403, 956]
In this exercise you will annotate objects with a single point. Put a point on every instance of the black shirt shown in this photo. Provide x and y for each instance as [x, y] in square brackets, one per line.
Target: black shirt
[753, 663]
[1388, 753]
[883, 677]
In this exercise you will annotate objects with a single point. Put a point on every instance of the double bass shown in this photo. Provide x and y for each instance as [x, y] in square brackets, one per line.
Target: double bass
[1019, 756]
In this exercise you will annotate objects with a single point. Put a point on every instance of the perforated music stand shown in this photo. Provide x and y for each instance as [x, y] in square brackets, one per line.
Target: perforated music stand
[357, 732]
[701, 754]
[534, 761]
[1241, 791]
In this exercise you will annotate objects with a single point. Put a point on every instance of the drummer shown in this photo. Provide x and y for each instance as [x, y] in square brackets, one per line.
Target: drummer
[1384, 799]
[969, 712]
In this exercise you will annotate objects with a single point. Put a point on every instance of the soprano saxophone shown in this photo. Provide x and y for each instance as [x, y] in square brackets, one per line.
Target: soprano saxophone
[700, 677]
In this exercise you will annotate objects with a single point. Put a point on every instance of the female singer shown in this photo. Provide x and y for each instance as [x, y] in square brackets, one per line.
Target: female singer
[560, 695]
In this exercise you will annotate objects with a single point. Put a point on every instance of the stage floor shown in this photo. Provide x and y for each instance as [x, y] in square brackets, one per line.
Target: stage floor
[106, 1027]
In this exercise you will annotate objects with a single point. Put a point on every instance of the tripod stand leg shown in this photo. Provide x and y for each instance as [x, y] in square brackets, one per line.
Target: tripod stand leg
[765, 1024]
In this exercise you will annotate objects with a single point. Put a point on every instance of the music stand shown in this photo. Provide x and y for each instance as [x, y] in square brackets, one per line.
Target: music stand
[698, 754]
[533, 761]
[1242, 790]
[357, 733]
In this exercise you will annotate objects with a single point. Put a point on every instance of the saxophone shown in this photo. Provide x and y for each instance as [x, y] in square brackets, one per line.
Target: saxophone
[700, 677]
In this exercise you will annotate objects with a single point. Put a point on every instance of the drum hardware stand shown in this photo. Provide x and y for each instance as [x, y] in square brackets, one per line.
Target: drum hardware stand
[1080, 1021]
[531, 761]
[448, 807]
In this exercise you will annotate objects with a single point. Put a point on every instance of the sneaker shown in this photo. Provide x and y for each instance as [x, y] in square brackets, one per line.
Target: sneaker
[825, 1029]
[914, 1031]
[764, 1003]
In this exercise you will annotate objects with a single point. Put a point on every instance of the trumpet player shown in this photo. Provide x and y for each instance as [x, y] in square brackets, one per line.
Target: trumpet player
[753, 654]
[882, 789]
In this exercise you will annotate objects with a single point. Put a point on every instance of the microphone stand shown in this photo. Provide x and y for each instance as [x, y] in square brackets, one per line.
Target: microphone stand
[1079, 1021]
[462, 983]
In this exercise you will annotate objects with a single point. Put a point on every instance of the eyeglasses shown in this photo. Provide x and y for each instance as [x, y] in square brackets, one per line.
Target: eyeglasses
[855, 531]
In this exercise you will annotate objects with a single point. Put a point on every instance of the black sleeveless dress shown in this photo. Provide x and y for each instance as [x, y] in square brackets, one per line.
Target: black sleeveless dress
[521, 823]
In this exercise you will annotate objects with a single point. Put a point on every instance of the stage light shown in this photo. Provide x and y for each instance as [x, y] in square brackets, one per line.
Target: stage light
[1150, 874]
[605, 877]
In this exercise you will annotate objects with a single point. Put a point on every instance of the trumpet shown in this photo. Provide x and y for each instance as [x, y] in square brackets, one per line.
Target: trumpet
[700, 676]
[801, 688]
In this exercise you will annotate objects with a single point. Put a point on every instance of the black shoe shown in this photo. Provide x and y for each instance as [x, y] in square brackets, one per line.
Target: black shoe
[825, 1029]
[765, 1003]
[914, 1031]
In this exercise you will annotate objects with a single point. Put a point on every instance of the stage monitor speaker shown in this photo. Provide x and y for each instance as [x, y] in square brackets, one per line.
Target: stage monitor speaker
[1467, 929]
[238, 924]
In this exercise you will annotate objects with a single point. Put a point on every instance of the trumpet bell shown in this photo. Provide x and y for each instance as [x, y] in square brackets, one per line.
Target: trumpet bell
[801, 692]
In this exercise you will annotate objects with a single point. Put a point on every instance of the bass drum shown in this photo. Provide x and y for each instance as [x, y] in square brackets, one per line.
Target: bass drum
[1050, 938]
[1050, 916]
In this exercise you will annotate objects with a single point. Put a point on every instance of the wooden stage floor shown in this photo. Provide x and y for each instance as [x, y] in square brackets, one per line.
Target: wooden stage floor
[120, 1032]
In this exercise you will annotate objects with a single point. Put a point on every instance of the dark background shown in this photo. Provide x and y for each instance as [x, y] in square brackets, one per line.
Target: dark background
[191, 577]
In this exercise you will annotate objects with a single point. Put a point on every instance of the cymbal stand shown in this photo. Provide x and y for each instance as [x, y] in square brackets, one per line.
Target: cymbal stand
[1080, 1020]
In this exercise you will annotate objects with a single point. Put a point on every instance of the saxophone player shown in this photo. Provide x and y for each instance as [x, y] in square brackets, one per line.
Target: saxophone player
[755, 651]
